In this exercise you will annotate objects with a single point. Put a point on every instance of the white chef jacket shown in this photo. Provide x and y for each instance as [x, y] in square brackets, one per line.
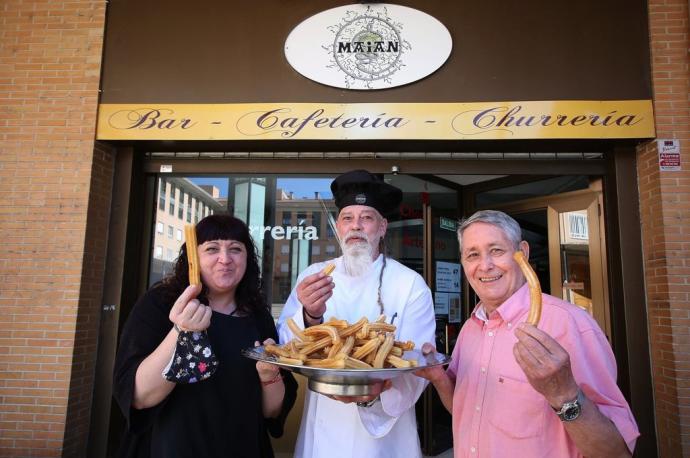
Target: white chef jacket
[334, 429]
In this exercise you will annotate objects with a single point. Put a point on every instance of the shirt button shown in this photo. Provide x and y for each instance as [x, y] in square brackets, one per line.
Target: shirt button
[477, 408]
[510, 324]
[491, 334]
[483, 369]
[473, 450]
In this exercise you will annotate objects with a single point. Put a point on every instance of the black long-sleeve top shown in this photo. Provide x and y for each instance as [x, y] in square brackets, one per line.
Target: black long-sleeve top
[218, 417]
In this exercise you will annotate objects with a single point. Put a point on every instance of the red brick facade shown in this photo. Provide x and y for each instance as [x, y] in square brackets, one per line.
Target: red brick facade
[665, 211]
[56, 183]
[50, 60]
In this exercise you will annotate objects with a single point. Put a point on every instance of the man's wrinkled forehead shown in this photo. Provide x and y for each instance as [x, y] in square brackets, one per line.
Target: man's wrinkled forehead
[359, 209]
[482, 234]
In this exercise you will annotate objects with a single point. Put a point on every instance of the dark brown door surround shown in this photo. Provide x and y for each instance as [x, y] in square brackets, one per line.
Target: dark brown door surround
[628, 314]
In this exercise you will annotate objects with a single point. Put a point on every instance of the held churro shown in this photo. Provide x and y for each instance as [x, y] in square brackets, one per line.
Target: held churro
[534, 288]
[192, 254]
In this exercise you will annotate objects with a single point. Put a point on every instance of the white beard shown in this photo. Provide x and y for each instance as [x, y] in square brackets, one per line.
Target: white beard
[357, 257]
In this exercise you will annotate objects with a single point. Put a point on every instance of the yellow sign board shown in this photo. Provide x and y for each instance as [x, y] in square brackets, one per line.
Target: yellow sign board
[570, 119]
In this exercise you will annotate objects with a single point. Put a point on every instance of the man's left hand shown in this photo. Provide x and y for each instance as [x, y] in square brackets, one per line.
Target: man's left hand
[546, 365]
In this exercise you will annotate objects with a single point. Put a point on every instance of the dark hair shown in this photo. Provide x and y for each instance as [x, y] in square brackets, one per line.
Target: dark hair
[248, 296]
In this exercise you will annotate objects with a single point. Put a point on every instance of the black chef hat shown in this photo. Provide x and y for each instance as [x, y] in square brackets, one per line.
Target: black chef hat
[359, 187]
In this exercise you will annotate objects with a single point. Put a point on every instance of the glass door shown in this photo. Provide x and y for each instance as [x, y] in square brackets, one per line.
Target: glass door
[291, 218]
[443, 275]
[567, 247]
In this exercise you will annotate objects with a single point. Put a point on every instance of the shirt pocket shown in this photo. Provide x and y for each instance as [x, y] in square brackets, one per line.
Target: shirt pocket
[517, 410]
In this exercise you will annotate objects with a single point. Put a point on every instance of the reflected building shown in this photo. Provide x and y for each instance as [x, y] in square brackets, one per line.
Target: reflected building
[180, 202]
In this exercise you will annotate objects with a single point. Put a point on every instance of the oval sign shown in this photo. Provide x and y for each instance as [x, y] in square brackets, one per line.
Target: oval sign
[368, 46]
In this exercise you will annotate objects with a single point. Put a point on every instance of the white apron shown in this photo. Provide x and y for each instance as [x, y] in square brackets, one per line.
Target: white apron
[332, 429]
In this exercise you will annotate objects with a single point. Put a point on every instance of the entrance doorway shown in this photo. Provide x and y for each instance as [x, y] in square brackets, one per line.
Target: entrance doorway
[292, 220]
[291, 217]
[565, 231]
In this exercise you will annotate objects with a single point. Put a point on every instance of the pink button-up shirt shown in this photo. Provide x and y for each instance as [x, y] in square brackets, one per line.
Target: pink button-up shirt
[497, 413]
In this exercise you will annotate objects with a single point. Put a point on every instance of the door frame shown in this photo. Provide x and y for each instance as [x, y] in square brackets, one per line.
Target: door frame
[591, 200]
[618, 167]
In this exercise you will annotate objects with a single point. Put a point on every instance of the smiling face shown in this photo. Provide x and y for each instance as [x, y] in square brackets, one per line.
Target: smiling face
[487, 258]
[359, 224]
[223, 263]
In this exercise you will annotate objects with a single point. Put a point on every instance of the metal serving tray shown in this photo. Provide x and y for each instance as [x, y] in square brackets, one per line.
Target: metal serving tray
[350, 382]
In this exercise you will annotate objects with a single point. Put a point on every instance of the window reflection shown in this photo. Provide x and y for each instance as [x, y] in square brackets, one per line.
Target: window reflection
[300, 205]
[286, 217]
[575, 274]
[291, 219]
[178, 192]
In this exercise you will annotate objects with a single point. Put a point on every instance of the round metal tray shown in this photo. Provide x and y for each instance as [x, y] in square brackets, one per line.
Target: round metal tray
[350, 382]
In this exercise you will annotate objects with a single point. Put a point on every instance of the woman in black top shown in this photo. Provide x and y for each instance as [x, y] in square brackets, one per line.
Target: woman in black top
[231, 413]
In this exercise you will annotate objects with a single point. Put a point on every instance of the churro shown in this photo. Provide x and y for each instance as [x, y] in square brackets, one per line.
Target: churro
[192, 254]
[534, 288]
[337, 344]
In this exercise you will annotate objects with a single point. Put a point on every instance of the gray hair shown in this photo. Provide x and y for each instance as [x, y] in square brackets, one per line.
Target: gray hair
[501, 220]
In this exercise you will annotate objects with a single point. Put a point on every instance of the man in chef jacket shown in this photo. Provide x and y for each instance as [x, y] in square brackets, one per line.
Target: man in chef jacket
[364, 283]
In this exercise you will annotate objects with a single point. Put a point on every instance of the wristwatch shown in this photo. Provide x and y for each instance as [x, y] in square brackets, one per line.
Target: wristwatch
[367, 403]
[571, 410]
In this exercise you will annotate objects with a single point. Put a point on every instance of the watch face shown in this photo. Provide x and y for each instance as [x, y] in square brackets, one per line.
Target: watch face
[571, 413]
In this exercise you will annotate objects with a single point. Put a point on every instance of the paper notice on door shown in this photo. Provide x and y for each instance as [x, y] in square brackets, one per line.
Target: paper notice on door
[441, 303]
[448, 304]
[454, 308]
[447, 277]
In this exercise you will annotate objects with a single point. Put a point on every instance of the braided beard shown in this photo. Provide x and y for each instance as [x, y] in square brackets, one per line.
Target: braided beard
[357, 257]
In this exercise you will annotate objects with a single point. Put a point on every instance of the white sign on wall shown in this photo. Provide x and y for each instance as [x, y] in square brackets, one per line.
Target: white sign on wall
[368, 46]
[669, 155]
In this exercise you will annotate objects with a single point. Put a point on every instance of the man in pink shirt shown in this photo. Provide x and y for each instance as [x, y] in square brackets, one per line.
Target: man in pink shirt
[518, 390]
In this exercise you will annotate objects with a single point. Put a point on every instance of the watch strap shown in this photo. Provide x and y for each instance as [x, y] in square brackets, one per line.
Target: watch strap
[575, 403]
[368, 403]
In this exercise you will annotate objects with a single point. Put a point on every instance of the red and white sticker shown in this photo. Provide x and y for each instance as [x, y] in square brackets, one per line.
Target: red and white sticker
[669, 155]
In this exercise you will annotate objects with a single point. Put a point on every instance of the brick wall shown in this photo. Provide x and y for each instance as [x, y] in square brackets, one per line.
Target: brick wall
[89, 309]
[50, 56]
[665, 212]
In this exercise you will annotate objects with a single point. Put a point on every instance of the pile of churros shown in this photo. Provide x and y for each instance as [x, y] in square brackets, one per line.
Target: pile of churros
[337, 344]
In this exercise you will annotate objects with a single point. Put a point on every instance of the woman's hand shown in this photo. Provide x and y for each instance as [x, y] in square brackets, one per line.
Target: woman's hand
[188, 313]
[150, 388]
[267, 372]
[272, 386]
